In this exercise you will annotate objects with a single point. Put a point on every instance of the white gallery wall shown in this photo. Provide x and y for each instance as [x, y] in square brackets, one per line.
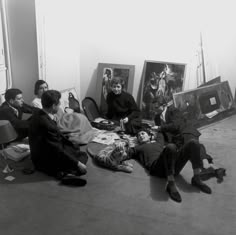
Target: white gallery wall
[23, 44]
[80, 34]
[59, 43]
[128, 32]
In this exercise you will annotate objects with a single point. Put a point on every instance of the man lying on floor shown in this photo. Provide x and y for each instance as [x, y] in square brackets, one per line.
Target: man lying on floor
[166, 162]
[51, 152]
[178, 127]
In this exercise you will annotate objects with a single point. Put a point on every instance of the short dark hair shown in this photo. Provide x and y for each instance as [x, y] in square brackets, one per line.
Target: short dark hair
[147, 130]
[50, 97]
[12, 93]
[37, 85]
[118, 80]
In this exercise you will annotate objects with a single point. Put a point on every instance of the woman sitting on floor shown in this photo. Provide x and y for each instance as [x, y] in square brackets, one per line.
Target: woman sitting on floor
[122, 107]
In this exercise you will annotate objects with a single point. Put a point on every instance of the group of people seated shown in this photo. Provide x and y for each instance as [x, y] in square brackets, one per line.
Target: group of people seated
[163, 149]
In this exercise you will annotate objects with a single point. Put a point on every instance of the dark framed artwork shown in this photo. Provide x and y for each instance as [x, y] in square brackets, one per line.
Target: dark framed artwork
[105, 73]
[206, 101]
[160, 80]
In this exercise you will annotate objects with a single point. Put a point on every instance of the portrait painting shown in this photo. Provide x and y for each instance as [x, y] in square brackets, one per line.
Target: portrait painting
[160, 80]
[64, 101]
[105, 73]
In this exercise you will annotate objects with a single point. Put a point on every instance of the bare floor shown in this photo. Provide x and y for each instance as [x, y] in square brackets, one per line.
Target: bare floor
[120, 203]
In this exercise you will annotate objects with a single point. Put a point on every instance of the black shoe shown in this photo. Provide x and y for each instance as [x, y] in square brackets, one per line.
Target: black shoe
[220, 173]
[60, 175]
[73, 181]
[196, 182]
[207, 173]
[174, 195]
[28, 171]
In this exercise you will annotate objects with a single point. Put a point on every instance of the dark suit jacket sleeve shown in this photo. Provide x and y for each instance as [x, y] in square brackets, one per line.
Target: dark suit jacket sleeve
[8, 114]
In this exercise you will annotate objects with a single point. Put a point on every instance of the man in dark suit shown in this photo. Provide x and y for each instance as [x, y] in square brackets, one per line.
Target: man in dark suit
[177, 128]
[13, 109]
[51, 152]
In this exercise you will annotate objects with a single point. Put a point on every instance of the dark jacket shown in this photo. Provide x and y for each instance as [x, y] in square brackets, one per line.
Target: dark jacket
[21, 126]
[176, 127]
[51, 152]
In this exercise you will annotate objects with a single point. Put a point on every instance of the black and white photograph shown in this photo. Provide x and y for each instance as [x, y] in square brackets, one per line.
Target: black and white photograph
[117, 117]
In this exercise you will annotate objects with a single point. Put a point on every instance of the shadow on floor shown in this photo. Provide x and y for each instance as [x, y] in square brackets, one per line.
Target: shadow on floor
[157, 189]
[19, 173]
[185, 186]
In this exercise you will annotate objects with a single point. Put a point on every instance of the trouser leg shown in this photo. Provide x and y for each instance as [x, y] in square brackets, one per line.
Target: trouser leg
[190, 151]
[164, 165]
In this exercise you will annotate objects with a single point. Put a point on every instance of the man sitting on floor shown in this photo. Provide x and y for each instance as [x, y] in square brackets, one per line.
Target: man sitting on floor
[12, 110]
[164, 161]
[179, 129]
[51, 152]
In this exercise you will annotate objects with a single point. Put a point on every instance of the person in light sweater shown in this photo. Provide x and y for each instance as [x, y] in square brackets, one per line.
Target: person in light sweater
[39, 88]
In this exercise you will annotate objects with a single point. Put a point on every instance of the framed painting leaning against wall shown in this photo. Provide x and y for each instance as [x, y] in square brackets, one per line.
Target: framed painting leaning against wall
[160, 80]
[105, 73]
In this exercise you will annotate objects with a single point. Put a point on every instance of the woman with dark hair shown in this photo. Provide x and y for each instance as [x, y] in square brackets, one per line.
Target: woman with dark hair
[39, 88]
[122, 107]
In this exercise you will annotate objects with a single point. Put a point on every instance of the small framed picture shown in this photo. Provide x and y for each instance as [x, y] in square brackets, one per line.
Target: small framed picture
[65, 94]
[160, 80]
[105, 73]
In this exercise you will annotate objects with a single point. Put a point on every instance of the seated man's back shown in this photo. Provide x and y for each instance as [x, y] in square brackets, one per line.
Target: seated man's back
[51, 152]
